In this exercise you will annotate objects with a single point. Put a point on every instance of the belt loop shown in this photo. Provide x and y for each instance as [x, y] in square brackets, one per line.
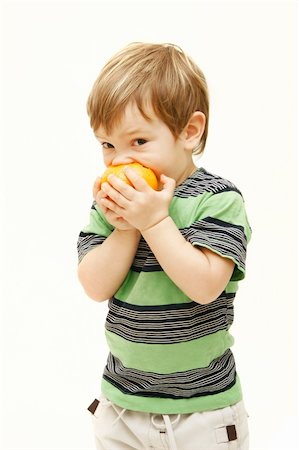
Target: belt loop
[93, 406]
[228, 432]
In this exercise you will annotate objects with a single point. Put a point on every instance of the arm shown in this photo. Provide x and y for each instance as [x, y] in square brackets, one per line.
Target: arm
[200, 273]
[103, 269]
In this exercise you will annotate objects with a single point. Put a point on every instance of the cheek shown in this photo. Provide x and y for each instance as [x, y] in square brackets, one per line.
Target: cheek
[107, 160]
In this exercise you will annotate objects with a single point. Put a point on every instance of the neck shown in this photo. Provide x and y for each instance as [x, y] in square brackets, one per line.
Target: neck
[187, 173]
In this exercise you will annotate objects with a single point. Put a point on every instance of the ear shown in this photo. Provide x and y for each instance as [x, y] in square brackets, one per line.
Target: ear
[194, 129]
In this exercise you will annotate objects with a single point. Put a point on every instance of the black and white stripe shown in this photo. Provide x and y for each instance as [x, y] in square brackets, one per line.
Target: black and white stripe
[145, 260]
[223, 237]
[169, 324]
[219, 376]
[201, 182]
[86, 242]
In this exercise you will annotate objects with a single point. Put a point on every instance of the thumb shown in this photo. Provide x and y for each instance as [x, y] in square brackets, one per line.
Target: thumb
[168, 184]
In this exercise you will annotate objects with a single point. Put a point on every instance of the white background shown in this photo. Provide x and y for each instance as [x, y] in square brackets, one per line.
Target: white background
[52, 343]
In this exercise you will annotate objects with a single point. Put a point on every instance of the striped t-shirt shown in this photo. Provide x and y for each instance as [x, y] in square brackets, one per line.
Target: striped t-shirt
[169, 354]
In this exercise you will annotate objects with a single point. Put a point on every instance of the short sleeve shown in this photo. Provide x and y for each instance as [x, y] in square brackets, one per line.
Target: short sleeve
[94, 233]
[221, 224]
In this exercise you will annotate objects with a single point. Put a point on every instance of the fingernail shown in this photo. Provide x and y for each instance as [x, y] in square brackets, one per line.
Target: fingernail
[104, 187]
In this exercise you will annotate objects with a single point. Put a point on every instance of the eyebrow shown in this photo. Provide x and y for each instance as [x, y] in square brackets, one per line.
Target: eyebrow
[134, 131]
[128, 133]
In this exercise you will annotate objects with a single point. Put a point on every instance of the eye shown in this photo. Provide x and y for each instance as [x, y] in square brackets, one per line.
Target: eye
[106, 145]
[140, 141]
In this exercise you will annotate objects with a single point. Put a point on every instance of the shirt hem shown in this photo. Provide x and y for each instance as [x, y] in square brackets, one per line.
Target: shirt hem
[172, 406]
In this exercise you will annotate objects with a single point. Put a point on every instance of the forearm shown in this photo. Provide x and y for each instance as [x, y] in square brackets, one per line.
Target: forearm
[186, 266]
[103, 269]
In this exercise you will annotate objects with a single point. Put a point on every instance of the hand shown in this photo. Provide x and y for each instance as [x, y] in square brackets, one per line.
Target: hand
[117, 221]
[140, 206]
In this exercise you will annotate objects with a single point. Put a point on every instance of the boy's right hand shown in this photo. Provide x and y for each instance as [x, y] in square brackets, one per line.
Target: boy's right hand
[115, 220]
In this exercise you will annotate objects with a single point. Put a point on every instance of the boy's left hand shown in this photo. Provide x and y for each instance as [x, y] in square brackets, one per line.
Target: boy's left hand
[141, 206]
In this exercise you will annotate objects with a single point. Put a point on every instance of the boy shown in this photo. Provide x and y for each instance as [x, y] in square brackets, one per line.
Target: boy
[169, 261]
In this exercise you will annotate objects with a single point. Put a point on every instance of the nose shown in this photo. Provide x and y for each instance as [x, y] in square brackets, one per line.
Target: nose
[121, 159]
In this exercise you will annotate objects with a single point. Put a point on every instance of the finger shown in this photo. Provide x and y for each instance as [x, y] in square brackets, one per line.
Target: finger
[114, 195]
[168, 185]
[138, 182]
[125, 189]
[102, 207]
[96, 186]
[100, 194]
[117, 221]
[98, 199]
[112, 206]
[112, 216]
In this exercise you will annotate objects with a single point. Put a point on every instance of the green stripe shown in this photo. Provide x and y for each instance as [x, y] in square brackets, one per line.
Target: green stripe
[184, 211]
[227, 206]
[232, 287]
[169, 358]
[156, 288]
[172, 406]
[232, 211]
[98, 224]
[152, 288]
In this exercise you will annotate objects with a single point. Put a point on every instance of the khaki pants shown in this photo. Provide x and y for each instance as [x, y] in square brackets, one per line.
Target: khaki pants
[120, 429]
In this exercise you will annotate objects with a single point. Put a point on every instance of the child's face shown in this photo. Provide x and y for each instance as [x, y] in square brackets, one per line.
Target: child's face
[152, 145]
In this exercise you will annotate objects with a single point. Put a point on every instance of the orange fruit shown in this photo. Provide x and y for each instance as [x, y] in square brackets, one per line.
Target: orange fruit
[147, 174]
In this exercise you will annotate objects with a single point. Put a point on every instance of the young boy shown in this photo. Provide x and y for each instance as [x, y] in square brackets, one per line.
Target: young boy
[169, 261]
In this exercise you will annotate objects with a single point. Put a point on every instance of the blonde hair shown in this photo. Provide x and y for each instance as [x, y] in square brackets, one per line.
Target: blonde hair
[161, 75]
